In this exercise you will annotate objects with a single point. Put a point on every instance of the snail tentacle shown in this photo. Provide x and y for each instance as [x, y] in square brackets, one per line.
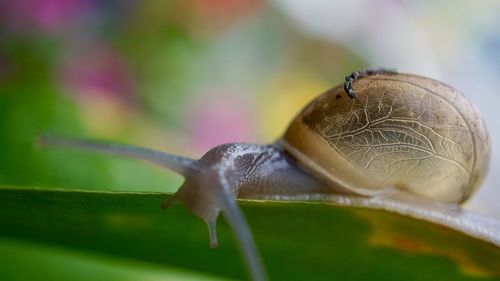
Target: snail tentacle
[178, 164]
[213, 189]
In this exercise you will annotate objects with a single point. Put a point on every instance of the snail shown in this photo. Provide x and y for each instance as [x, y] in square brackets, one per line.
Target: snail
[378, 133]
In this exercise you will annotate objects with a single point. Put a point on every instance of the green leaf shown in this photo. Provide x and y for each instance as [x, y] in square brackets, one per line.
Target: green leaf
[297, 241]
[28, 261]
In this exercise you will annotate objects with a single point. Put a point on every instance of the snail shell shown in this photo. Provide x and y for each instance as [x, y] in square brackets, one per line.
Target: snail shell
[401, 131]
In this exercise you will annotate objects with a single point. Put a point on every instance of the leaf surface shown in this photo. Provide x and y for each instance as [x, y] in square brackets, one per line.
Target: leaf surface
[297, 240]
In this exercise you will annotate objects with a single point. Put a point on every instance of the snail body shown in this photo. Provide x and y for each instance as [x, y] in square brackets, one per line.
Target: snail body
[392, 132]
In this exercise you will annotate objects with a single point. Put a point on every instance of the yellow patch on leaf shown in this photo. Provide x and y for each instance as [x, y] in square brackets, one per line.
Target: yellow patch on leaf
[402, 233]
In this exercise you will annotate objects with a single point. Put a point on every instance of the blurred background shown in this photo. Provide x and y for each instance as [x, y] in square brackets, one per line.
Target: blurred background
[183, 76]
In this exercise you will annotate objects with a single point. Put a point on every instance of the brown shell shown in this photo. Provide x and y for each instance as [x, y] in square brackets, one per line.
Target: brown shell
[401, 131]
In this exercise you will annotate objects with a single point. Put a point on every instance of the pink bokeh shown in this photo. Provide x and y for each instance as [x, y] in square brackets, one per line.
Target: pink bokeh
[46, 15]
[227, 115]
[98, 70]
